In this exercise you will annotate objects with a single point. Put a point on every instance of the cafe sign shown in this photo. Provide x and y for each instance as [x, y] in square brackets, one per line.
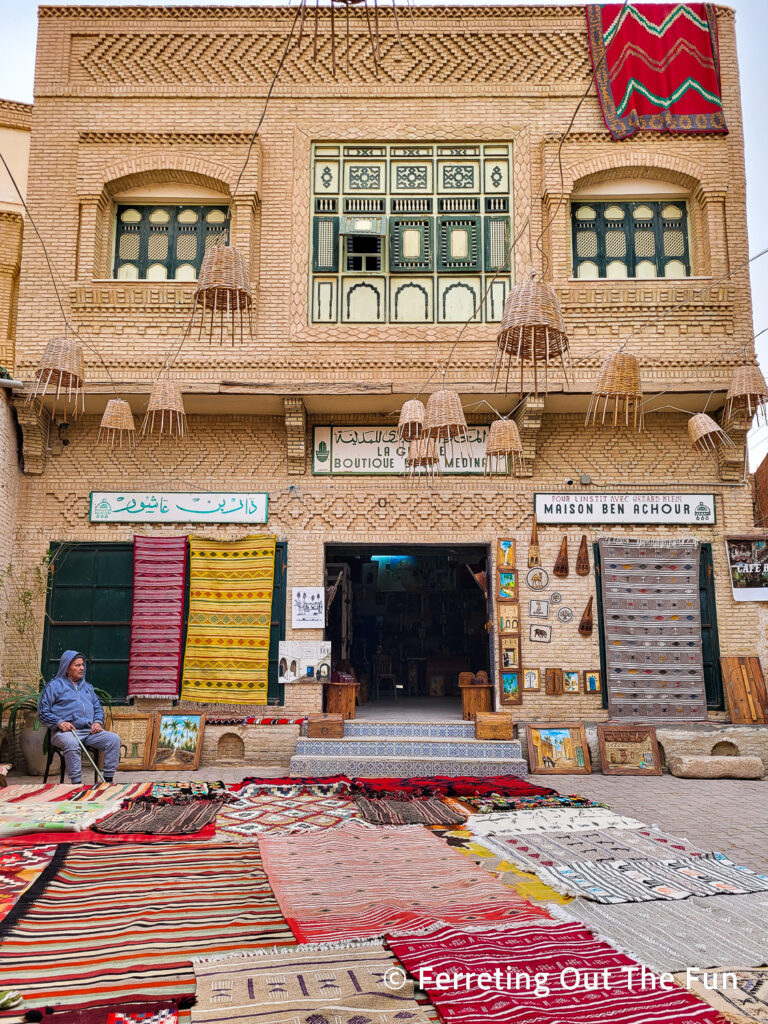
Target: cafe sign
[178, 507]
[630, 509]
[748, 566]
[376, 451]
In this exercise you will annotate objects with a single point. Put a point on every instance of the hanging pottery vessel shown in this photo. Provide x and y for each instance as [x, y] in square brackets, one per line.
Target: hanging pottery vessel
[534, 556]
[582, 559]
[561, 565]
[585, 626]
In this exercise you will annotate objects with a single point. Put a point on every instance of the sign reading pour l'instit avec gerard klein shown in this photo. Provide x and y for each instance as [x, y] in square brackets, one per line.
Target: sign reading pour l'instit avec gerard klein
[647, 509]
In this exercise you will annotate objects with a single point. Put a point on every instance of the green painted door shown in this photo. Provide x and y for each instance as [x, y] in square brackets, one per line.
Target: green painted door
[276, 691]
[89, 610]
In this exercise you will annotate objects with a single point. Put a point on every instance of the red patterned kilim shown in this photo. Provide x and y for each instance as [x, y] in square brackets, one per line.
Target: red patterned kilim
[159, 573]
[656, 67]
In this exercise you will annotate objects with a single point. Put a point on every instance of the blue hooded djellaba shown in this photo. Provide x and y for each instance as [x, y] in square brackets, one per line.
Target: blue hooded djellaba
[62, 700]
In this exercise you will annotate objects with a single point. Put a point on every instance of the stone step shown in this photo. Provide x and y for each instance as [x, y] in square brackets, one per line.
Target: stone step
[396, 767]
[418, 730]
[404, 747]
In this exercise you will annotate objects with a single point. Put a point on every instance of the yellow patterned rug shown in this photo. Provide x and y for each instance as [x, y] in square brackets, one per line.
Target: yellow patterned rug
[230, 611]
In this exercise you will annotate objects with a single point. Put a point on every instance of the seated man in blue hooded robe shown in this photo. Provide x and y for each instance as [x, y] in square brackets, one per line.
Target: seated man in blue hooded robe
[69, 706]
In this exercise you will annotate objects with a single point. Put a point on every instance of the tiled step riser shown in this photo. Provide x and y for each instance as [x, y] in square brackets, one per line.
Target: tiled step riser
[371, 767]
[406, 730]
[425, 749]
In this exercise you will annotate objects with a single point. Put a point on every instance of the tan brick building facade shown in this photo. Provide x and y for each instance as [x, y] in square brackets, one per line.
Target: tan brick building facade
[157, 104]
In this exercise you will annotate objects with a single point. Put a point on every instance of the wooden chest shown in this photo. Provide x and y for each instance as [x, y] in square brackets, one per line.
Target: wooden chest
[325, 727]
[494, 725]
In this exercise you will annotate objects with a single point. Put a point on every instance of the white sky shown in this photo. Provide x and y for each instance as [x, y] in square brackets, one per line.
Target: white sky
[19, 27]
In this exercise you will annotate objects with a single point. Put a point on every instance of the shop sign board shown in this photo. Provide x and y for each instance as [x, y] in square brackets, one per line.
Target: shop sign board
[376, 451]
[666, 509]
[178, 507]
[748, 566]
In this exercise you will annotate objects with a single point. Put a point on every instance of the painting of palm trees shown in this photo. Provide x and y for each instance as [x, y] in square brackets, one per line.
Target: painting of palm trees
[178, 740]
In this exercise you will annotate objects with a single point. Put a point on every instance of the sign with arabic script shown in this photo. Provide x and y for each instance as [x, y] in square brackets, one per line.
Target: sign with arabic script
[177, 507]
[376, 451]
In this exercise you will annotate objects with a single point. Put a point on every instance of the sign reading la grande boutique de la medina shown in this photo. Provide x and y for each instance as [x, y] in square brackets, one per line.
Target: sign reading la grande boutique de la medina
[633, 508]
[376, 451]
[178, 507]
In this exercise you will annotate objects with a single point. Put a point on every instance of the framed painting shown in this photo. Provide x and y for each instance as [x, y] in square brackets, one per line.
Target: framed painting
[571, 681]
[177, 742]
[507, 585]
[553, 681]
[510, 688]
[509, 652]
[628, 749]
[593, 682]
[532, 679]
[539, 634]
[505, 554]
[538, 609]
[509, 620]
[135, 729]
[558, 749]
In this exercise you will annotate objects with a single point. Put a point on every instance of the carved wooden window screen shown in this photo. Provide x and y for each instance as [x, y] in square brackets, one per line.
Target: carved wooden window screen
[642, 239]
[159, 243]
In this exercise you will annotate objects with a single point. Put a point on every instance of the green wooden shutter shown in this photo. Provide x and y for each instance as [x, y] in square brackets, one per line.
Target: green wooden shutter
[325, 245]
[399, 243]
[275, 690]
[710, 643]
[497, 239]
[458, 243]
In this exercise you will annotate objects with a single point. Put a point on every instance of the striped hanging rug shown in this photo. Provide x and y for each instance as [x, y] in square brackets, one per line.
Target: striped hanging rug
[159, 577]
[226, 658]
[656, 67]
[652, 625]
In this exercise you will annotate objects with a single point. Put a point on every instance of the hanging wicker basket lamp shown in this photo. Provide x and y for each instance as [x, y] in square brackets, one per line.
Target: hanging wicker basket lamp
[411, 420]
[223, 289]
[165, 411]
[423, 455]
[619, 390]
[504, 449]
[706, 435]
[61, 373]
[532, 332]
[117, 429]
[747, 394]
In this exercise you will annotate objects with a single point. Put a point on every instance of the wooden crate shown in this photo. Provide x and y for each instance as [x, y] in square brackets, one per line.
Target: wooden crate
[494, 725]
[325, 727]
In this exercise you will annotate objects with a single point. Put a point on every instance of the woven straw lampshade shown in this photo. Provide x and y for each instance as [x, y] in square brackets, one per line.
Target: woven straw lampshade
[117, 427]
[504, 449]
[706, 435]
[618, 384]
[532, 331]
[223, 287]
[423, 455]
[747, 393]
[444, 417]
[411, 420]
[61, 373]
[165, 410]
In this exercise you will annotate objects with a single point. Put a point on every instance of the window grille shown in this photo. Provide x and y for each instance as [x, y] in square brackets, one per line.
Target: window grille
[630, 239]
[159, 243]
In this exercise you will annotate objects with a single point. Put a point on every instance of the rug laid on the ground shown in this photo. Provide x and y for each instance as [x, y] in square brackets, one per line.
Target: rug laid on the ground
[408, 810]
[656, 67]
[396, 877]
[65, 816]
[670, 935]
[125, 1013]
[157, 621]
[526, 885]
[549, 849]
[255, 813]
[555, 960]
[99, 928]
[226, 657]
[652, 621]
[549, 819]
[162, 819]
[495, 802]
[18, 870]
[636, 881]
[317, 984]
[55, 793]
[451, 785]
[743, 998]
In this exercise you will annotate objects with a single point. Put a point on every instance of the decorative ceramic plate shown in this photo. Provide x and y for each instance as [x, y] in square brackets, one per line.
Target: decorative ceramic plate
[564, 614]
[537, 578]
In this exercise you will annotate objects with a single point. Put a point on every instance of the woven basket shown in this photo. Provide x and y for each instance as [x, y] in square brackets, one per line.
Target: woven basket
[61, 372]
[411, 420]
[117, 427]
[165, 410]
[422, 452]
[618, 384]
[223, 282]
[504, 449]
[532, 330]
[747, 393]
[706, 435]
[444, 417]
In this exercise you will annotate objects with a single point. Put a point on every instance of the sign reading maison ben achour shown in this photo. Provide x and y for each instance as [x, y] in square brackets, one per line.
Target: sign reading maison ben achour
[658, 509]
[376, 451]
[178, 507]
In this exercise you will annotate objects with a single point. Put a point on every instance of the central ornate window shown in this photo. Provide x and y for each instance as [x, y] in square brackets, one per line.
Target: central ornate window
[410, 234]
